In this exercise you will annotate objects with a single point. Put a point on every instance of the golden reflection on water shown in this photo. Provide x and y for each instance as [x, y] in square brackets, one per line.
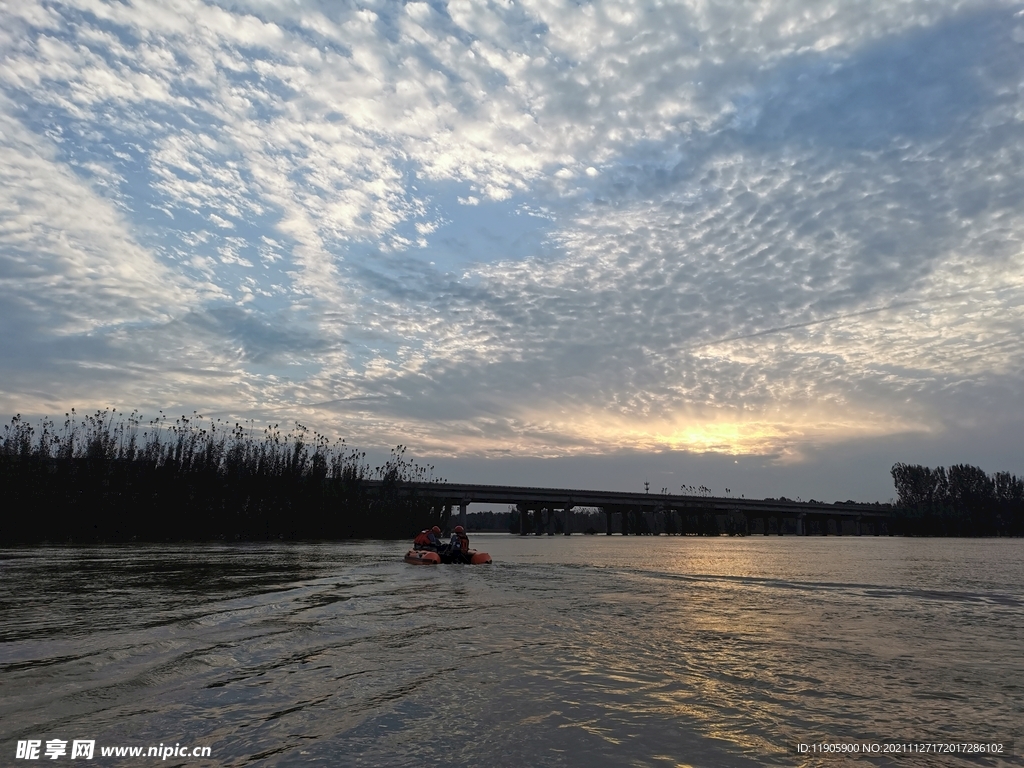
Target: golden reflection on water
[595, 651]
[764, 641]
[684, 653]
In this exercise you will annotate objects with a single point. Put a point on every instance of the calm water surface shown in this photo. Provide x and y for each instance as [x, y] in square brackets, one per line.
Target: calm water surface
[567, 651]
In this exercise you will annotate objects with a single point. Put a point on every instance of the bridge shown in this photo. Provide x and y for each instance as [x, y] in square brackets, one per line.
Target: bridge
[552, 508]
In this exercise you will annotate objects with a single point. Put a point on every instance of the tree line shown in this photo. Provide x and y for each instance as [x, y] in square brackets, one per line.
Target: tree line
[959, 501]
[111, 478]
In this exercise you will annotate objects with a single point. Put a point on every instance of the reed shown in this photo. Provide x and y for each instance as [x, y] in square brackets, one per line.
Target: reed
[113, 477]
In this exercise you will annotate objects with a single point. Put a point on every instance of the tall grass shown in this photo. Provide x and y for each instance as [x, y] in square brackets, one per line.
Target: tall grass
[114, 477]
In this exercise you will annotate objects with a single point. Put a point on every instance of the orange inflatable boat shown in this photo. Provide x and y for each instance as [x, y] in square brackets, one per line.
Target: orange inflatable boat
[425, 557]
[422, 557]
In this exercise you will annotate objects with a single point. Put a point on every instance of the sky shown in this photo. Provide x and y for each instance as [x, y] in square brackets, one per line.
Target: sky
[767, 246]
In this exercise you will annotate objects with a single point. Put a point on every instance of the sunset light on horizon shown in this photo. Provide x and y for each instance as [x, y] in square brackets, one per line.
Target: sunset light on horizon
[777, 246]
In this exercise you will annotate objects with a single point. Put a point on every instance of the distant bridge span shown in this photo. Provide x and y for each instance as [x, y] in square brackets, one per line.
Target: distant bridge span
[799, 517]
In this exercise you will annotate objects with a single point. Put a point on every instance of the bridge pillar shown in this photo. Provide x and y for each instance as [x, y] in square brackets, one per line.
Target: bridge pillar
[608, 518]
[568, 520]
[800, 523]
[857, 523]
[462, 513]
[523, 511]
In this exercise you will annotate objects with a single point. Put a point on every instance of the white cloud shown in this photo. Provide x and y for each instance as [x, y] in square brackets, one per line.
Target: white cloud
[769, 225]
[67, 253]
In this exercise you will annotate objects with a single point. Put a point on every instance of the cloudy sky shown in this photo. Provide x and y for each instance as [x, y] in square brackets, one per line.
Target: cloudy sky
[773, 246]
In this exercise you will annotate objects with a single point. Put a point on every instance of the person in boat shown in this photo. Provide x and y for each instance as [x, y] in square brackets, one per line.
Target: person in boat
[458, 547]
[427, 539]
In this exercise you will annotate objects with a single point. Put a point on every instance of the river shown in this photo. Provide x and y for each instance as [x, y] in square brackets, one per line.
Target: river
[566, 651]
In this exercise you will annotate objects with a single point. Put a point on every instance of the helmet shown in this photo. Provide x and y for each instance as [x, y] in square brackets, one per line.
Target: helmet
[459, 529]
[435, 529]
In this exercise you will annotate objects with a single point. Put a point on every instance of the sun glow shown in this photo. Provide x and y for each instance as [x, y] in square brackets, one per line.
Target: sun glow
[784, 434]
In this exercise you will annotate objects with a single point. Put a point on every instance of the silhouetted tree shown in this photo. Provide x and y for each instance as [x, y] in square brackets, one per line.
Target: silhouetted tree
[960, 501]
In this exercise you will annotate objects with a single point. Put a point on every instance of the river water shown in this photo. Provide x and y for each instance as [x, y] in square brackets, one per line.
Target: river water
[567, 651]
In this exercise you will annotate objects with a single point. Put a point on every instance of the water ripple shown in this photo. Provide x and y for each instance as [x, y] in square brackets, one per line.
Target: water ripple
[582, 651]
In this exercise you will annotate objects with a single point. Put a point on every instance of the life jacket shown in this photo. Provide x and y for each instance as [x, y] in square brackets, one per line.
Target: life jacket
[422, 540]
[463, 543]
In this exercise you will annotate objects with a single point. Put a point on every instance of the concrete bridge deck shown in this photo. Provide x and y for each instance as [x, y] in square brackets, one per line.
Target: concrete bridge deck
[801, 515]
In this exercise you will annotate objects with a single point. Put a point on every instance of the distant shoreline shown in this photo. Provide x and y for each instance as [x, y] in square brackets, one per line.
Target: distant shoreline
[110, 478]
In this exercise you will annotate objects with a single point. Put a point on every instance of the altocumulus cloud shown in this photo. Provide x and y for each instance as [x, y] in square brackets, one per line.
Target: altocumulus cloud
[540, 228]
